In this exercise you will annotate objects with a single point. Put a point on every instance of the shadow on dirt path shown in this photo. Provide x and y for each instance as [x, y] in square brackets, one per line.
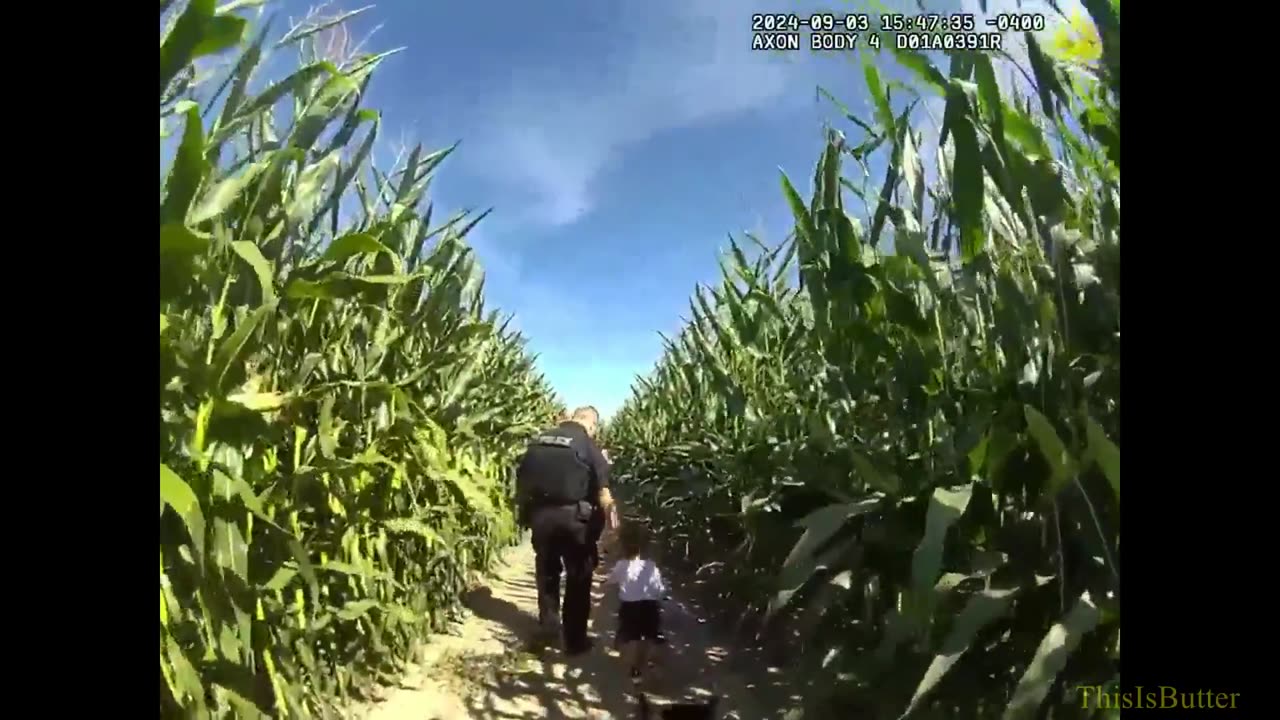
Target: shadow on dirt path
[491, 670]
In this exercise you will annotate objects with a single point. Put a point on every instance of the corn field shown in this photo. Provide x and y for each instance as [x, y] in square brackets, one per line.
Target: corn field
[339, 412]
[910, 459]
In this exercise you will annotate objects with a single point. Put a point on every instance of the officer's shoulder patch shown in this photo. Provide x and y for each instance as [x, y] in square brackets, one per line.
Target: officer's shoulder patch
[557, 440]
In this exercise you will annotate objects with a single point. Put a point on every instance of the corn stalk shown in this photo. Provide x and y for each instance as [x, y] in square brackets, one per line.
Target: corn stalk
[339, 412]
[916, 452]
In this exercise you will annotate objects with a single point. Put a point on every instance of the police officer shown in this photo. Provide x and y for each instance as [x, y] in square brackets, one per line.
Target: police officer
[563, 496]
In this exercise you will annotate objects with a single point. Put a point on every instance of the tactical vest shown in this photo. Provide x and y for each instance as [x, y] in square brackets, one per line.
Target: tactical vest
[553, 473]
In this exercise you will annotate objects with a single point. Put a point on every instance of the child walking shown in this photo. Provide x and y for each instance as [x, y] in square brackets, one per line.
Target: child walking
[640, 588]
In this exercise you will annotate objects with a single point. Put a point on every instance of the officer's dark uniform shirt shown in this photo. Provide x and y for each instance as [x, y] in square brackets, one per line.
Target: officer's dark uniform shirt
[562, 466]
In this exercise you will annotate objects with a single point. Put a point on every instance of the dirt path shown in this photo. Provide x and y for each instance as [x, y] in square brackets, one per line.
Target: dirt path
[489, 671]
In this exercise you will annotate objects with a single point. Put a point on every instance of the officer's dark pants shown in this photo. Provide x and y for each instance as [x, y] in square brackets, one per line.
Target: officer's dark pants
[564, 537]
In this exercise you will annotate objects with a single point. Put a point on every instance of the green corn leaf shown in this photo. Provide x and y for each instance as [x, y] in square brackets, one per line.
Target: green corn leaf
[178, 48]
[967, 187]
[1061, 464]
[961, 69]
[311, 181]
[413, 526]
[280, 580]
[309, 29]
[221, 196]
[993, 109]
[355, 243]
[348, 173]
[1023, 130]
[357, 609]
[1047, 84]
[355, 117]
[233, 346]
[179, 241]
[980, 611]
[323, 108]
[188, 680]
[239, 78]
[260, 265]
[884, 114]
[886, 483]
[238, 4]
[294, 83]
[945, 508]
[1050, 658]
[259, 402]
[229, 645]
[1105, 453]
[327, 436]
[230, 551]
[305, 568]
[188, 170]
[177, 494]
[1106, 18]
[923, 68]
[820, 528]
[243, 707]
[339, 285]
[847, 113]
[221, 32]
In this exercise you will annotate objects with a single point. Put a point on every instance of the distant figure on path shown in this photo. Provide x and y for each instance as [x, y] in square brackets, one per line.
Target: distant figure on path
[562, 487]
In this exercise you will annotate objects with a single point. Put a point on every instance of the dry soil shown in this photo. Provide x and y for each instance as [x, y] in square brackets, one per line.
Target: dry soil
[491, 669]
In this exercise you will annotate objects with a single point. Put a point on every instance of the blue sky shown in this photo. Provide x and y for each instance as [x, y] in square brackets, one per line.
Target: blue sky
[619, 143]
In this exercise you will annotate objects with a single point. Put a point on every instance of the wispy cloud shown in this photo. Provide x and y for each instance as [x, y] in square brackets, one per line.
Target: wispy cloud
[677, 63]
[542, 144]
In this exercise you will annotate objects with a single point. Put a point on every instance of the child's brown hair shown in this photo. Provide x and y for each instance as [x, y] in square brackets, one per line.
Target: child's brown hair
[634, 539]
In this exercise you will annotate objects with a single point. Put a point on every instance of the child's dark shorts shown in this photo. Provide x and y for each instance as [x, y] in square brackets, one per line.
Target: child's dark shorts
[639, 620]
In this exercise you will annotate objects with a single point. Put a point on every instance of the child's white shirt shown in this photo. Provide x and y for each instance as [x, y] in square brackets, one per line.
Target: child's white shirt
[637, 579]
